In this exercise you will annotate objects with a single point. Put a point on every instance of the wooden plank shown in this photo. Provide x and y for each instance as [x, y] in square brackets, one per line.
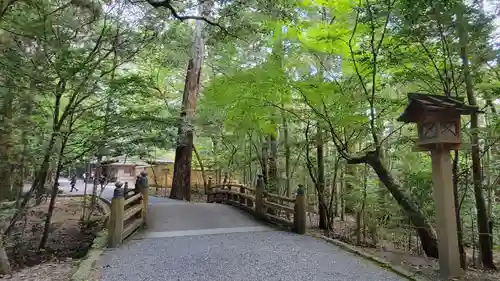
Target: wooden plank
[132, 199]
[131, 227]
[130, 212]
[249, 196]
[278, 206]
[279, 197]
[280, 220]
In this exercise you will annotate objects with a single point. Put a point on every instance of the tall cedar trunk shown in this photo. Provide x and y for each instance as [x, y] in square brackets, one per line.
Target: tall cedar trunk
[263, 159]
[341, 193]
[323, 218]
[26, 122]
[41, 175]
[181, 182]
[460, 235]
[273, 164]
[320, 158]
[53, 196]
[333, 205]
[482, 213]
[286, 143]
[491, 151]
[424, 228]
[6, 141]
[250, 163]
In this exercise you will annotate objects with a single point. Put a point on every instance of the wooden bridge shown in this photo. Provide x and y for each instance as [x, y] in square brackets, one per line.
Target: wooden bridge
[240, 233]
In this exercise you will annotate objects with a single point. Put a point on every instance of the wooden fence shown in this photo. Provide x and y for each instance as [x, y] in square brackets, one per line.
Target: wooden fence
[128, 213]
[289, 212]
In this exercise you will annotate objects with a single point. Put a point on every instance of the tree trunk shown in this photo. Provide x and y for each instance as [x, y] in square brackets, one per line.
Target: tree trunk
[286, 143]
[216, 161]
[490, 153]
[6, 127]
[340, 196]
[181, 182]
[460, 235]
[333, 205]
[4, 259]
[203, 175]
[263, 160]
[482, 213]
[273, 164]
[323, 218]
[53, 196]
[424, 228]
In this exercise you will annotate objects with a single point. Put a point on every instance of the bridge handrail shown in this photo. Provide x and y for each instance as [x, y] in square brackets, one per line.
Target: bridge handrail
[262, 204]
[128, 213]
[279, 197]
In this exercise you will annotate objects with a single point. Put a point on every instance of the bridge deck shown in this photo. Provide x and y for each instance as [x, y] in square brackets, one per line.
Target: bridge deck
[208, 242]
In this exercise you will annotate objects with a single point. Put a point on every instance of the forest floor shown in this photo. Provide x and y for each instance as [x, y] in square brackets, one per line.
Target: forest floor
[414, 261]
[67, 242]
[428, 267]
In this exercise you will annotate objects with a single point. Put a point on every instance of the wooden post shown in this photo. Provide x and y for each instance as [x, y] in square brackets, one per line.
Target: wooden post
[145, 197]
[215, 194]
[449, 257]
[259, 196]
[242, 197]
[209, 191]
[299, 218]
[115, 227]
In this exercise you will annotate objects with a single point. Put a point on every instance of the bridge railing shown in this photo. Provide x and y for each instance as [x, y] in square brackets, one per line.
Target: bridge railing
[128, 213]
[286, 211]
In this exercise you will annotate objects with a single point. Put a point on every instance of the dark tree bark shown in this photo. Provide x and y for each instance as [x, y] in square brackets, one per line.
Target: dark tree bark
[263, 159]
[423, 227]
[53, 196]
[483, 223]
[6, 141]
[286, 143]
[181, 182]
[323, 217]
[273, 164]
[460, 235]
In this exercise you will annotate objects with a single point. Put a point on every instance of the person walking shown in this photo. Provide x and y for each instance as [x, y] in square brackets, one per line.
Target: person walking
[102, 182]
[73, 183]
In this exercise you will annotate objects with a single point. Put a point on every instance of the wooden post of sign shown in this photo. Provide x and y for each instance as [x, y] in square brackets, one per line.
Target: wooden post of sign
[259, 197]
[242, 195]
[299, 218]
[449, 256]
[438, 119]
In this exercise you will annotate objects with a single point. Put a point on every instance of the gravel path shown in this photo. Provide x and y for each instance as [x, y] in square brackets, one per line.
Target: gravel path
[253, 256]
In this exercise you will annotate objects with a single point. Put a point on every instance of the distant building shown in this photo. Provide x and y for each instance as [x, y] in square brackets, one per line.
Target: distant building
[123, 168]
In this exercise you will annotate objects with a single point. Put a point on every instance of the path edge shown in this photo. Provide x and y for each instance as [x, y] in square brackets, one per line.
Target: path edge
[378, 260]
[99, 243]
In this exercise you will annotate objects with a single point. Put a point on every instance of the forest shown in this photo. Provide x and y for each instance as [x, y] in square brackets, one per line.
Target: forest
[300, 91]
